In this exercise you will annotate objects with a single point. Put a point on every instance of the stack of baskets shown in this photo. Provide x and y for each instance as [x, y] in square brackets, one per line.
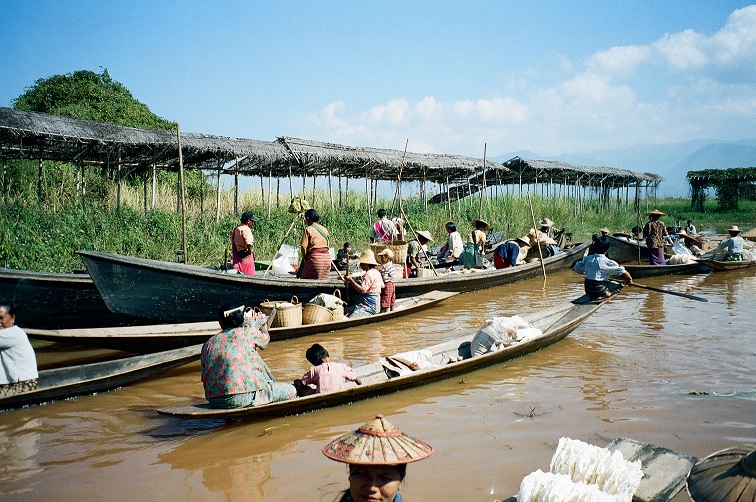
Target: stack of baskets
[323, 308]
[288, 314]
[399, 248]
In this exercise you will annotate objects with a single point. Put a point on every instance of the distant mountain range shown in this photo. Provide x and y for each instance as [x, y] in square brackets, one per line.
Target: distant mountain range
[672, 160]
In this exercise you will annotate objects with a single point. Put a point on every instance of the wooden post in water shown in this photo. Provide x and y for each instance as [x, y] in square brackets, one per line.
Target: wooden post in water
[181, 185]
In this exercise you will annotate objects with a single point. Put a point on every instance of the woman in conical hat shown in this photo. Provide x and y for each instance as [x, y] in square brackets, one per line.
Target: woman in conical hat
[654, 232]
[369, 289]
[377, 454]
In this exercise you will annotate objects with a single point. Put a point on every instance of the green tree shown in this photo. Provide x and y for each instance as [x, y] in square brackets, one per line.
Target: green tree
[85, 94]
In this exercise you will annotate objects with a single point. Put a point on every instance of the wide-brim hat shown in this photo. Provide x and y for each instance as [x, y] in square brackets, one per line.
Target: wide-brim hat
[378, 442]
[728, 474]
[525, 239]
[367, 257]
[425, 234]
[604, 230]
[546, 223]
[733, 228]
[481, 223]
[655, 212]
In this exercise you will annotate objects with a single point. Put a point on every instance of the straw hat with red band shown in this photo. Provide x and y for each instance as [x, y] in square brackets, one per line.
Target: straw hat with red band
[378, 442]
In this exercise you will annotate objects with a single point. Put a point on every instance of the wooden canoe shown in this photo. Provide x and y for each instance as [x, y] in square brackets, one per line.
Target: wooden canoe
[175, 292]
[555, 323]
[719, 265]
[52, 301]
[62, 383]
[143, 339]
[641, 271]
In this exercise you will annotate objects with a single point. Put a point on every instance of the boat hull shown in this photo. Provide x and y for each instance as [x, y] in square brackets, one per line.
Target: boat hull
[642, 271]
[63, 383]
[556, 324]
[623, 251]
[718, 265]
[144, 339]
[173, 292]
[56, 301]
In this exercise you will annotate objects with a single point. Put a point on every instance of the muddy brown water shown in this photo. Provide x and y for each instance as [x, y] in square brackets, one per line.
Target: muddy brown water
[657, 368]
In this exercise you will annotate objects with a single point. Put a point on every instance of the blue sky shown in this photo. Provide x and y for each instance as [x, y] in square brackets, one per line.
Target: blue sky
[551, 77]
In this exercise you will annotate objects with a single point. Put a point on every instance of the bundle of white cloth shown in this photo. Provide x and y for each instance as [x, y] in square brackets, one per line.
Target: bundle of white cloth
[581, 472]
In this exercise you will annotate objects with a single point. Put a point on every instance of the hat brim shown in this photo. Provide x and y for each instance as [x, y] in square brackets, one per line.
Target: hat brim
[425, 235]
[364, 449]
[655, 212]
[484, 223]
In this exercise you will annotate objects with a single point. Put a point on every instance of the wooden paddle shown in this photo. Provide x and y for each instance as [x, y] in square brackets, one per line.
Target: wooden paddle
[651, 288]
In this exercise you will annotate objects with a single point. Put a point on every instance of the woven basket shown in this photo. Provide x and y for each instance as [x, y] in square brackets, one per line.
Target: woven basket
[338, 311]
[313, 313]
[287, 316]
[398, 247]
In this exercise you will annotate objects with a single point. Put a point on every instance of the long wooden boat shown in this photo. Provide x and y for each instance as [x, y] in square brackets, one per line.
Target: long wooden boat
[52, 301]
[62, 383]
[555, 323]
[641, 271]
[719, 265]
[145, 339]
[175, 292]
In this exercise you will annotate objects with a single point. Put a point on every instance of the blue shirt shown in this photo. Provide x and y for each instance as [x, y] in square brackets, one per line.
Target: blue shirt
[598, 267]
[509, 252]
[734, 245]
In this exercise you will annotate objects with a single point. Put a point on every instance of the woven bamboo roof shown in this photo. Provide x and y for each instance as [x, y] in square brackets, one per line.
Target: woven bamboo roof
[543, 171]
[31, 135]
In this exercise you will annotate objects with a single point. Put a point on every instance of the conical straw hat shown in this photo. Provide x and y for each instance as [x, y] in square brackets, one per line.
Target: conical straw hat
[426, 234]
[367, 257]
[482, 223]
[656, 211]
[378, 442]
[727, 475]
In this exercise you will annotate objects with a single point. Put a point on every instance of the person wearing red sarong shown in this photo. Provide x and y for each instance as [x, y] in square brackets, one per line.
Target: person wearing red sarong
[242, 240]
[316, 260]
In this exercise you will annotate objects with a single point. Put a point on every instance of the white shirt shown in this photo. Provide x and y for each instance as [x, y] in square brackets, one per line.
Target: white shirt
[598, 267]
[454, 243]
[17, 360]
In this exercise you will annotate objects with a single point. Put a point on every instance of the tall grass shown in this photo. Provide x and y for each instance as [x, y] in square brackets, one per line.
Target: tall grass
[46, 236]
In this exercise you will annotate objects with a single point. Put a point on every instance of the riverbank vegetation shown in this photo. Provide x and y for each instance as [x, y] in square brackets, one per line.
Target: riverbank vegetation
[44, 233]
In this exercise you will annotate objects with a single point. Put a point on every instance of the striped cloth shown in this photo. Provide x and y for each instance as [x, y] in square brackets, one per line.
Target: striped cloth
[316, 265]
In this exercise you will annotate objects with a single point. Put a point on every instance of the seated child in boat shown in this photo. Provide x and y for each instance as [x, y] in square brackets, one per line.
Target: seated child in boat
[388, 274]
[324, 376]
[597, 269]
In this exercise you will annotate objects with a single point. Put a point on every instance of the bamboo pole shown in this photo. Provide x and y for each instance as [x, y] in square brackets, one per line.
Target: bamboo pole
[330, 186]
[236, 187]
[480, 207]
[293, 222]
[538, 240]
[144, 183]
[118, 197]
[183, 198]
[397, 191]
[39, 183]
[154, 185]
[270, 191]
[218, 191]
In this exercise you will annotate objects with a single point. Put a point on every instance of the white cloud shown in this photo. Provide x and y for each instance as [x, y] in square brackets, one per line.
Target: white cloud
[681, 86]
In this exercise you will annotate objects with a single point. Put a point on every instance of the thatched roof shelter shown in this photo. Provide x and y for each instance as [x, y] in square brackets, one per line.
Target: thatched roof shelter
[30, 135]
[526, 171]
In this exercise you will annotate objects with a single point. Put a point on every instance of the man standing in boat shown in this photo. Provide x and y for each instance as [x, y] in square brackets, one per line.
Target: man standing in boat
[242, 240]
[316, 260]
[384, 230]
